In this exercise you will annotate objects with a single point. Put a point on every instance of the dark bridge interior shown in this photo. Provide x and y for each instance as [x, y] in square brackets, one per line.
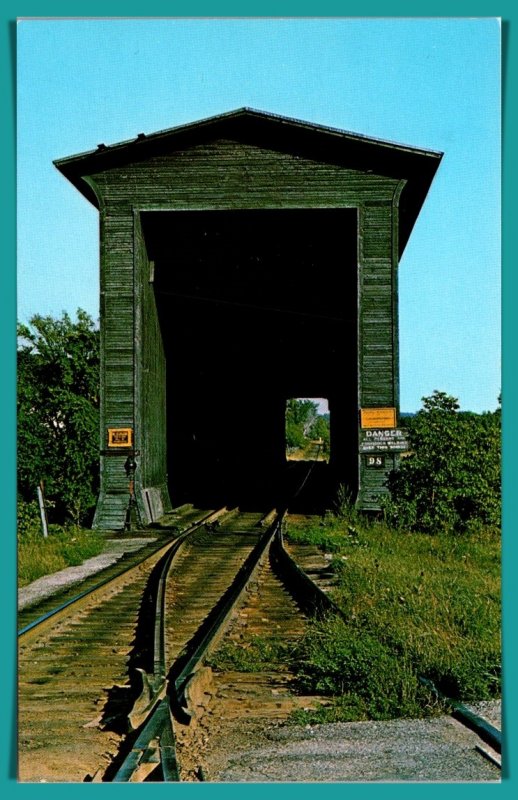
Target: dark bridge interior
[254, 306]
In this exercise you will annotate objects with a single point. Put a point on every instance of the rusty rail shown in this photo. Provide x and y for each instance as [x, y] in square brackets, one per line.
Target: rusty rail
[215, 623]
[154, 684]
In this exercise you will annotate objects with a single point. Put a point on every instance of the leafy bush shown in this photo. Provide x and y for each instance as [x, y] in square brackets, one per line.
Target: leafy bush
[451, 479]
[304, 424]
[321, 430]
[295, 438]
[28, 519]
[58, 413]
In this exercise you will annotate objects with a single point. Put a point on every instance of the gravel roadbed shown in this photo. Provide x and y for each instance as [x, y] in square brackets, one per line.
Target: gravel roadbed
[403, 750]
[47, 585]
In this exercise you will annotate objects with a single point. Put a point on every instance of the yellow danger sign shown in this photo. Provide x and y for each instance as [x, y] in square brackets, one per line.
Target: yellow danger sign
[378, 417]
[120, 437]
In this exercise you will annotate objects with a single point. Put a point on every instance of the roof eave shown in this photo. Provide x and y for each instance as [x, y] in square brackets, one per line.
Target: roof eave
[417, 165]
[248, 113]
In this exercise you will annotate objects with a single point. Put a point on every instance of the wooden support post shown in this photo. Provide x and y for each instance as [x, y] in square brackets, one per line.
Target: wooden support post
[43, 513]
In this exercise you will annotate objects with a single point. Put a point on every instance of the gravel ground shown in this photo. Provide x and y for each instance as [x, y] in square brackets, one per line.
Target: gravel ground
[431, 750]
[50, 584]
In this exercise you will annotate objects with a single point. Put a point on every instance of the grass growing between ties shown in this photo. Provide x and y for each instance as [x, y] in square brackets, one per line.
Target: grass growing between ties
[261, 653]
[415, 604]
[64, 547]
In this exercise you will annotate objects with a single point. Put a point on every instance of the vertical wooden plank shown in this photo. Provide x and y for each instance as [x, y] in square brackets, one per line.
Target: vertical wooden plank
[377, 334]
[150, 387]
[117, 360]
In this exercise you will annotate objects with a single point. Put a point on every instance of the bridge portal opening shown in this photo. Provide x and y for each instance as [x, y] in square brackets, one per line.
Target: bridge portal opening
[252, 307]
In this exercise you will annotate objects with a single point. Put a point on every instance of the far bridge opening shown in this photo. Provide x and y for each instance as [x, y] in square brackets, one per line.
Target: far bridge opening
[308, 431]
[308, 452]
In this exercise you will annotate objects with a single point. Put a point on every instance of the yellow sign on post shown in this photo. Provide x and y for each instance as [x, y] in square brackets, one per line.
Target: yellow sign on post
[378, 417]
[120, 437]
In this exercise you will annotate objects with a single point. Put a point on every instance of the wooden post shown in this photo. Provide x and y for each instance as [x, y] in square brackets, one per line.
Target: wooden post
[43, 513]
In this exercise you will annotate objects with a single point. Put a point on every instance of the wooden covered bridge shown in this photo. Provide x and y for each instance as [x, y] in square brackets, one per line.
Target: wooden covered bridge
[246, 259]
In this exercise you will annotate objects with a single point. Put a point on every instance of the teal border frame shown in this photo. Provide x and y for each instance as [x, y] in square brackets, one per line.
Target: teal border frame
[507, 11]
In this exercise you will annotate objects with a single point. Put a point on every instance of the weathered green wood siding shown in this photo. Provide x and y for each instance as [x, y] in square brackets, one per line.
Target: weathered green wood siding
[377, 333]
[150, 388]
[117, 361]
[227, 174]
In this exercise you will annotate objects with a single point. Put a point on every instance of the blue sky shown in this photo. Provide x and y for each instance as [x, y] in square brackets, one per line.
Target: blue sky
[431, 83]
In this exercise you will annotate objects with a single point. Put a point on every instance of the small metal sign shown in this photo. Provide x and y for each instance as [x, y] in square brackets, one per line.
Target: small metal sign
[378, 417]
[374, 462]
[383, 440]
[120, 437]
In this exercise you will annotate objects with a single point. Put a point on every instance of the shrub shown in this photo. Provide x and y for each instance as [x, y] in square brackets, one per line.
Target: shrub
[415, 605]
[58, 413]
[451, 479]
[28, 519]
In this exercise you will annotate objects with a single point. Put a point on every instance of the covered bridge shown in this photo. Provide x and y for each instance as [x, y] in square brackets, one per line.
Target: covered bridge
[246, 259]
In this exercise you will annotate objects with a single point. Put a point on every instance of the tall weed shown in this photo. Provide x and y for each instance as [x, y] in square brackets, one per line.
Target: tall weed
[372, 680]
[64, 547]
[415, 604]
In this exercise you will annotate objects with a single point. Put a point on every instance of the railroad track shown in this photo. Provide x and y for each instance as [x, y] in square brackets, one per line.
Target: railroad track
[145, 706]
[74, 707]
[199, 601]
[75, 665]
[254, 695]
[32, 613]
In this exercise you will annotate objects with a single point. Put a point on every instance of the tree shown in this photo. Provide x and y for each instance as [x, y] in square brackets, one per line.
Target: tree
[302, 412]
[58, 412]
[320, 430]
[451, 479]
[300, 417]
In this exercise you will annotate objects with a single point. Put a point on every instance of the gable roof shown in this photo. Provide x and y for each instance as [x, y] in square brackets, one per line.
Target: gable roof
[304, 139]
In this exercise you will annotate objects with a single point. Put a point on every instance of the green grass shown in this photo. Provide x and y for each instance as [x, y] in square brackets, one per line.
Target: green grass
[415, 604]
[261, 653]
[331, 534]
[38, 556]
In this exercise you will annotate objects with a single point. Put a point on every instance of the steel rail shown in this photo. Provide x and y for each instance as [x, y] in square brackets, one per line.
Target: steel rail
[155, 744]
[307, 593]
[484, 729]
[88, 594]
[154, 684]
[213, 627]
[159, 632]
